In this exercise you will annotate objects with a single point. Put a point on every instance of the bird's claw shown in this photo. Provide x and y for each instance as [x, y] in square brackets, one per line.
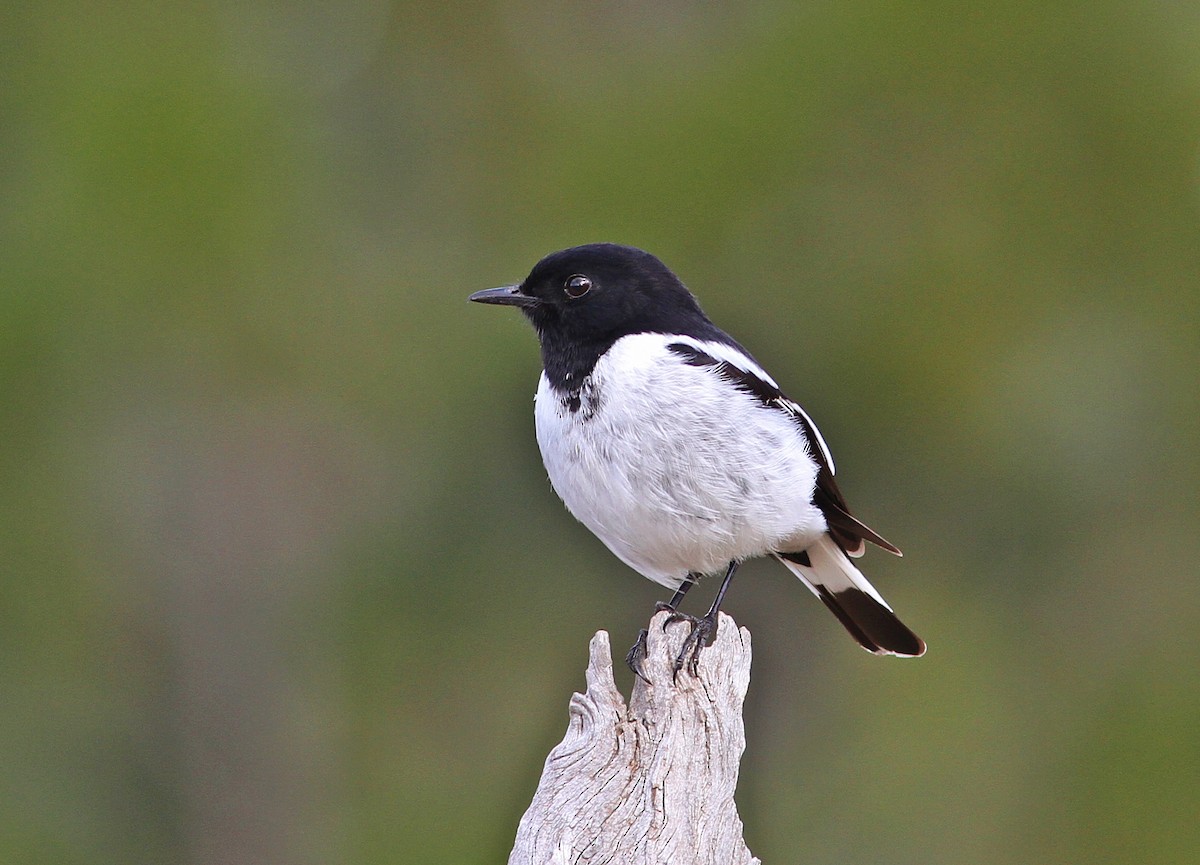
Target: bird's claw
[664, 607]
[702, 633]
[637, 654]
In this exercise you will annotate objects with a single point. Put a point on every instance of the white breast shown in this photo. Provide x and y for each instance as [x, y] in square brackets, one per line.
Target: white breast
[672, 468]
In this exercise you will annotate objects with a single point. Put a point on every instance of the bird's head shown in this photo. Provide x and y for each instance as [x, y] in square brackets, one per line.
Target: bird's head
[599, 293]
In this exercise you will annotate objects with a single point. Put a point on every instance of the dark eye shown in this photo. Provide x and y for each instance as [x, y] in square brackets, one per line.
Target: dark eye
[577, 286]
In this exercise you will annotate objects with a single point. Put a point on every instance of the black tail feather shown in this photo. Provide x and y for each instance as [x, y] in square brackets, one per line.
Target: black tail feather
[876, 628]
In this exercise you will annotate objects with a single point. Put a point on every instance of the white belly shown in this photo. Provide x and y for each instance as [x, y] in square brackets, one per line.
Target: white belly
[674, 476]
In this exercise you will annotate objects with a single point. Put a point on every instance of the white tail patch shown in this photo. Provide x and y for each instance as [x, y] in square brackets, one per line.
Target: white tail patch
[832, 577]
[832, 569]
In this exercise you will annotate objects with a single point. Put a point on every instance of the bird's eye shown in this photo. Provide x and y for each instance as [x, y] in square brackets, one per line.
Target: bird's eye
[577, 286]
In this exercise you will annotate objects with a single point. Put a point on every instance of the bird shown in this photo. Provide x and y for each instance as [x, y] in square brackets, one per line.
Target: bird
[675, 447]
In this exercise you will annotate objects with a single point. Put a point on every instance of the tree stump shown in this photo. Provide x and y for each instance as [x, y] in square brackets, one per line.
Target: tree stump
[651, 782]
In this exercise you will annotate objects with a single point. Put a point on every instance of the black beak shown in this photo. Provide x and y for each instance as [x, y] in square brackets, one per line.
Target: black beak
[505, 295]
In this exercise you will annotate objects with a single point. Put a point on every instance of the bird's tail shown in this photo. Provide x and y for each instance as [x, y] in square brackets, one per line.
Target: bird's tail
[832, 577]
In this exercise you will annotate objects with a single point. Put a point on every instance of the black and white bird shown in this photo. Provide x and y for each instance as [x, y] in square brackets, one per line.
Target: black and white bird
[675, 447]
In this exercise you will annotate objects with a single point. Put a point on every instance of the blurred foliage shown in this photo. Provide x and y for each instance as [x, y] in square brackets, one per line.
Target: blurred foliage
[283, 579]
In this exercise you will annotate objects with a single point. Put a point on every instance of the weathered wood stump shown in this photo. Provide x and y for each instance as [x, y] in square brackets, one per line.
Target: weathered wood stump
[651, 782]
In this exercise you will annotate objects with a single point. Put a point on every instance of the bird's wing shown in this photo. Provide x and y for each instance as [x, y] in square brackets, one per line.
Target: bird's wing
[740, 370]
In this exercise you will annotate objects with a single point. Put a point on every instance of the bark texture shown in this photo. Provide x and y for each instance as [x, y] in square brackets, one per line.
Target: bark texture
[651, 781]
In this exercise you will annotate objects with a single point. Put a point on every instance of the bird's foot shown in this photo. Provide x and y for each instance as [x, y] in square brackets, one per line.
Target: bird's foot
[703, 631]
[637, 654]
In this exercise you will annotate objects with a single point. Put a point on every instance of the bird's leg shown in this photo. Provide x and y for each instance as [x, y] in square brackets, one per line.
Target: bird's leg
[633, 658]
[672, 605]
[703, 630]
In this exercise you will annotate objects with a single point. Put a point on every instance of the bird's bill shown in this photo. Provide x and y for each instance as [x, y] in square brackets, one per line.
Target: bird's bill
[505, 295]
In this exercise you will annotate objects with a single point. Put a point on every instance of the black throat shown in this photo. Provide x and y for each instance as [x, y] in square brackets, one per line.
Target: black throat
[569, 359]
[568, 362]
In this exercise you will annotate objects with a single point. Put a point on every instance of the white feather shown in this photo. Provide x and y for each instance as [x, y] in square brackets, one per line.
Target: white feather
[833, 570]
[676, 470]
[729, 354]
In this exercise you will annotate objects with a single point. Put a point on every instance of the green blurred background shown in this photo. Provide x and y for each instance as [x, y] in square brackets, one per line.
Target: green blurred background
[283, 580]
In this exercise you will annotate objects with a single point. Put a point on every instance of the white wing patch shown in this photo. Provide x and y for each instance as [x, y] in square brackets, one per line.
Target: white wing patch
[795, 406]
[729, 354]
